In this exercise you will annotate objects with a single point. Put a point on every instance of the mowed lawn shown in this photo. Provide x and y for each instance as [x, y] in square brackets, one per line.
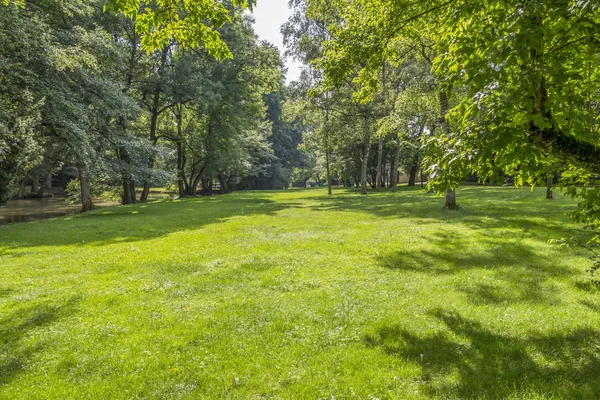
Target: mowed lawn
[296, 295]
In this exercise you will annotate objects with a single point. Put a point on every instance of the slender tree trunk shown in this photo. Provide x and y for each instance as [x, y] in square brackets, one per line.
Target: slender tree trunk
[550, 184]
[86, 194]
[367, 149]
[132, 191]
[379, 176]
[327, 153]
[154, 114]
[444, 107]
[395, 166]
[153, 140]
[181, 186]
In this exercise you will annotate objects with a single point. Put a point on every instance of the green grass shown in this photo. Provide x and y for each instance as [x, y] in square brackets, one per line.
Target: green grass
[296, 295]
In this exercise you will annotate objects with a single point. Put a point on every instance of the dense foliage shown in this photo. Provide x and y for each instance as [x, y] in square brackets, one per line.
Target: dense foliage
[121, 100]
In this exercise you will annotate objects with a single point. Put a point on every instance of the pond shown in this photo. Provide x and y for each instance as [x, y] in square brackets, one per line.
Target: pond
[33, 209]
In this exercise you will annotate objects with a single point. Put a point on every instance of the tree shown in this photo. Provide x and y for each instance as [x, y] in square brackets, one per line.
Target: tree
[189, 23]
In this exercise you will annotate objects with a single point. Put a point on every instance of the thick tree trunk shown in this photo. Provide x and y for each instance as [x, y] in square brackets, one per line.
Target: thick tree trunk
[451, 199]
[132, 191]
[35, 183]
[412, 179]
[224, 184]
[127, 183]
[86, 194]
[367, 149]
[379, 176]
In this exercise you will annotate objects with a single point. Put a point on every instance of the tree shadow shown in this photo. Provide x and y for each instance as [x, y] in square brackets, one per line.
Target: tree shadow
[519, 273]
[15, 329]
[491, 208]
[591, 305]
[468, 360]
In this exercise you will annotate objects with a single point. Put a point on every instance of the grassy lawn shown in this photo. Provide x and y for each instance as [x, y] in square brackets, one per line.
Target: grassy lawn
[296, 295]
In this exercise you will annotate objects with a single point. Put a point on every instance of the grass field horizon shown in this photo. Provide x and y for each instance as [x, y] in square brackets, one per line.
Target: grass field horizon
[294, 294]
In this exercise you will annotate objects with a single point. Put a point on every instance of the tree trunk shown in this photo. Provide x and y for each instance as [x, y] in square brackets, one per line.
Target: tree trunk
[395, 166]
[132, 191]
[154, 114]
[367, 149]
[146, 190]
[181, 186]
[35, 182]
[223, 183]
[550, 184]
[327, 154]
[86, 194]
[451, 199]
[379, 176]
[128, 197]
[412, 180]
[444, 107]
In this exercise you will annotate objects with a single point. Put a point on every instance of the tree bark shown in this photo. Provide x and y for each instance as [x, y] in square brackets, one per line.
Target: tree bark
[367, 149]
[379, 164]
[550, 184]
[412, 179]
[224, 184]
[35, 182]
[327, 153]
[181, 180]
[86, 194]
[395, 166]
[444, 107]
[154, 114]
[451, 199]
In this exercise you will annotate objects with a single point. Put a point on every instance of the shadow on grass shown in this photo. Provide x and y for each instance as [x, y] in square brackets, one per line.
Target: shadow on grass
[468, 361]
[16, 350]
[491, 209]
[518, 273]
[133, 223]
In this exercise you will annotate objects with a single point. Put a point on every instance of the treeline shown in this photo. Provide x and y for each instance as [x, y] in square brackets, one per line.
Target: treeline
[485, 89]
[82, 96]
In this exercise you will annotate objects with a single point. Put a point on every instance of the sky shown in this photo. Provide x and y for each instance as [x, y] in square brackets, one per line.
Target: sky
[269, 16]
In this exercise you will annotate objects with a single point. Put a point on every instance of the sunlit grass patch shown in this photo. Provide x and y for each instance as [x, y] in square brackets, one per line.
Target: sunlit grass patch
[298, 295]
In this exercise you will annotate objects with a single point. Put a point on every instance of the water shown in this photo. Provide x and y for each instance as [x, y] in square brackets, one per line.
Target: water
[33, 209]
